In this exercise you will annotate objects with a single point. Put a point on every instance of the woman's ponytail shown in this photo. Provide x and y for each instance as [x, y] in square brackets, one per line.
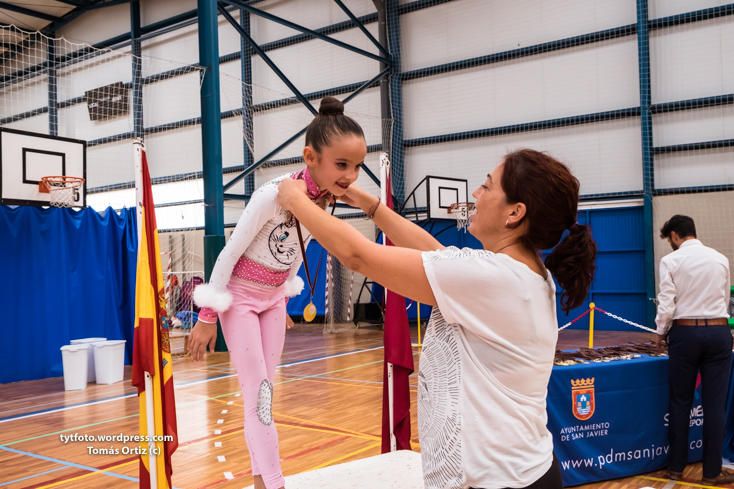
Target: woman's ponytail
[572, 263]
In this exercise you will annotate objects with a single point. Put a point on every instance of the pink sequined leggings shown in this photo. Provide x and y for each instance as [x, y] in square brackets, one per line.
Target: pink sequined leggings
[254, 328]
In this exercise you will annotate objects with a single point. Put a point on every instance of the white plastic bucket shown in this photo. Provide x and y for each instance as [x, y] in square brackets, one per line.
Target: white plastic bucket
[109, 361]
[90, 354]
[74, 359]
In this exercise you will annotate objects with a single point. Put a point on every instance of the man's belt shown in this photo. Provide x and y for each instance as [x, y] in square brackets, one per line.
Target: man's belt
[701, 322]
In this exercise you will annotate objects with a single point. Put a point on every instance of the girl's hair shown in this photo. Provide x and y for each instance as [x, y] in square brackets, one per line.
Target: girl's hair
[550, 193]
[330, 122]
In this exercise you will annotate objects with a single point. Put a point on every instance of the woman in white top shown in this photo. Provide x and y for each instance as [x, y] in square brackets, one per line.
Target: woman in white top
[491, 340]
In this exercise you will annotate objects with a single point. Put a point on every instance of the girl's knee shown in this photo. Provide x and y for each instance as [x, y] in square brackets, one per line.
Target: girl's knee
[265, 402]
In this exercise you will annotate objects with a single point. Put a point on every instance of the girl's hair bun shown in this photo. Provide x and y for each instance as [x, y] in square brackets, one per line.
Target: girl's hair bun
[331, 106]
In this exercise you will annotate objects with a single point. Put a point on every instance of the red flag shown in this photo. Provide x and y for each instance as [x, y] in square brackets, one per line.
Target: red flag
[399, 352]
[151, 350]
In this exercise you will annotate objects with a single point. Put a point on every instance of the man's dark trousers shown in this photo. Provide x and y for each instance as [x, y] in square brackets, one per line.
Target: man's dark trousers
[691, 349]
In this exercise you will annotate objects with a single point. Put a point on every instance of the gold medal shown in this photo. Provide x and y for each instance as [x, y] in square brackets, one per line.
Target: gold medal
[309, 312]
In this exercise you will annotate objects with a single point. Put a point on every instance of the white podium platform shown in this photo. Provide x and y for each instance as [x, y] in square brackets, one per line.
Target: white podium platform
[396, 470]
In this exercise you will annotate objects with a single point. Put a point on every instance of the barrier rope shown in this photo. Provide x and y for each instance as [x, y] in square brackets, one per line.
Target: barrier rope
[626, 321]
[574, 320]
[613, 316]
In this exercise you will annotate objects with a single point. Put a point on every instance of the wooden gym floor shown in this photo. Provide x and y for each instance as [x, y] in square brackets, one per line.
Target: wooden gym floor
[327, 407]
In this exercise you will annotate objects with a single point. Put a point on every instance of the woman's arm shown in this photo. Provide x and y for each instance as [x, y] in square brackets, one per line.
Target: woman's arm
[401, 231]
[398, 269]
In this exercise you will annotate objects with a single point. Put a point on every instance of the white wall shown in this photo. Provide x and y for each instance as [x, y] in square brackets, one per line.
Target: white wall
[705, 124]
[98, 25]
[604, 156]
[468, 28]
[688, 61]
[308, 13]
[713, 213]
[694, 169]
[665, 8]
[560, 84]
[152, 11]
[693, 60]
[316, 65]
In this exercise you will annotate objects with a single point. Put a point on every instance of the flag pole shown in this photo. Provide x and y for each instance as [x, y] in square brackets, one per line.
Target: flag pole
[150, 412]
[384, 175]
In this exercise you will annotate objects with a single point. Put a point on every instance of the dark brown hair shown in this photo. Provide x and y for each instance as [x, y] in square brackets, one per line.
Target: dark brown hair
[682, 225]
[550, 193]
[330, 122]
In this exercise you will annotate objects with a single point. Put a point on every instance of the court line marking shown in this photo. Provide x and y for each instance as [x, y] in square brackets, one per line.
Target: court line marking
[182, 385]
[333, 381]
[678, 483]
[67, 464]
[333, 431]
[316, 427]
[90, 474]
[75, 428]
[15, 481]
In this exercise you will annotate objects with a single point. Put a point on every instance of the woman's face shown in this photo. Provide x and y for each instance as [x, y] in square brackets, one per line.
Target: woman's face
[492, 210]
[337, 166]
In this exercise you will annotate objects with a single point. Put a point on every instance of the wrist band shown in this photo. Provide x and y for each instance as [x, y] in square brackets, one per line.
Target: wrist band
[373, 209]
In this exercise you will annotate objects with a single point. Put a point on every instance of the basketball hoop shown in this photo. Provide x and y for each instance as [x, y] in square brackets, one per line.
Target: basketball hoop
[63, 190]
[463, 212]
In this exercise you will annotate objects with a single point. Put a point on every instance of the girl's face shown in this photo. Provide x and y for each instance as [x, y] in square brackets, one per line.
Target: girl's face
[337, 166]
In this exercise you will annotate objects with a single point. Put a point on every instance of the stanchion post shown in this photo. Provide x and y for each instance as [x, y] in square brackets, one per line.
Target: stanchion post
[592, 306]
[419, 324]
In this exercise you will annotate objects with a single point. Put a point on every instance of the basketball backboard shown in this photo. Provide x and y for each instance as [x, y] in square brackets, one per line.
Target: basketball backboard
[442, 192]
[25, 157]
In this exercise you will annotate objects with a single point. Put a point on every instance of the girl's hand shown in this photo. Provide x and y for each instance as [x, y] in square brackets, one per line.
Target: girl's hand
[202, 335]
[288, 321]
[288, 191]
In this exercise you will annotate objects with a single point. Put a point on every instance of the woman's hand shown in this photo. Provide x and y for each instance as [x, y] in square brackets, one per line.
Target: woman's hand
[202, 335]
[288, 321]
[288, 192]
[357, 197]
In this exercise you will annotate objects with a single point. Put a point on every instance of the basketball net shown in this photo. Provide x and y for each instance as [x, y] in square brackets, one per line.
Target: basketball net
[463, 212]
[63, 191]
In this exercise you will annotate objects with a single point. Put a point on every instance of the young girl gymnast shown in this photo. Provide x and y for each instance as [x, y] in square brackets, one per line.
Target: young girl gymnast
[256, 272]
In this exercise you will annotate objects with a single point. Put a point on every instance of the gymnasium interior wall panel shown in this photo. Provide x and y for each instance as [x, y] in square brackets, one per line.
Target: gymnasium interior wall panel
[468, 28]
[605, 156]
[313, 14]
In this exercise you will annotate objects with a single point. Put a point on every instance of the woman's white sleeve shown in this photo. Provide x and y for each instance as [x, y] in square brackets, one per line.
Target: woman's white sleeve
[260, 209]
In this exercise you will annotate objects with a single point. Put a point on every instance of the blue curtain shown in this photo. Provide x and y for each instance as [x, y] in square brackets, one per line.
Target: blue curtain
[66, 274]
[316, 256]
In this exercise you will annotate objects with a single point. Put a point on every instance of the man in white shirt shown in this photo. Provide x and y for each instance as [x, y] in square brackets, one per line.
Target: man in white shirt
[692, 313]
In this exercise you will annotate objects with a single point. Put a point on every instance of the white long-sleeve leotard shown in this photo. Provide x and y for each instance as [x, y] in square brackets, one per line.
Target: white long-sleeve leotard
[262, 249]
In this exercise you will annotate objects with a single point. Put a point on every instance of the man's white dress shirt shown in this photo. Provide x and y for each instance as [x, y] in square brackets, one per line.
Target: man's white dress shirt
[694, 283]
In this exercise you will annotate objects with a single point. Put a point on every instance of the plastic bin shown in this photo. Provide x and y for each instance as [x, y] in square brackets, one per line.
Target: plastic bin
[90, 354]
[74, 359]
[109, 361]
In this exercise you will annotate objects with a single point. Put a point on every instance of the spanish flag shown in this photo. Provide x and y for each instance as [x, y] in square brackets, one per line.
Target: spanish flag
[398, 364]
[152, 366]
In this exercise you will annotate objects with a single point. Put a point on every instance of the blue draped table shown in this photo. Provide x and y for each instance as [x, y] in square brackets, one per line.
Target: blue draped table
[612, 421]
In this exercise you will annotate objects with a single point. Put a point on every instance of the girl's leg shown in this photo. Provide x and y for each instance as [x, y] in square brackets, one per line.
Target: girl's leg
[241, 328]
[272, 333]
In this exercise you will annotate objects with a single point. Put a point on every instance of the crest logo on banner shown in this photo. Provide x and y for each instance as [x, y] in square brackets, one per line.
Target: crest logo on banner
[582, 398]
